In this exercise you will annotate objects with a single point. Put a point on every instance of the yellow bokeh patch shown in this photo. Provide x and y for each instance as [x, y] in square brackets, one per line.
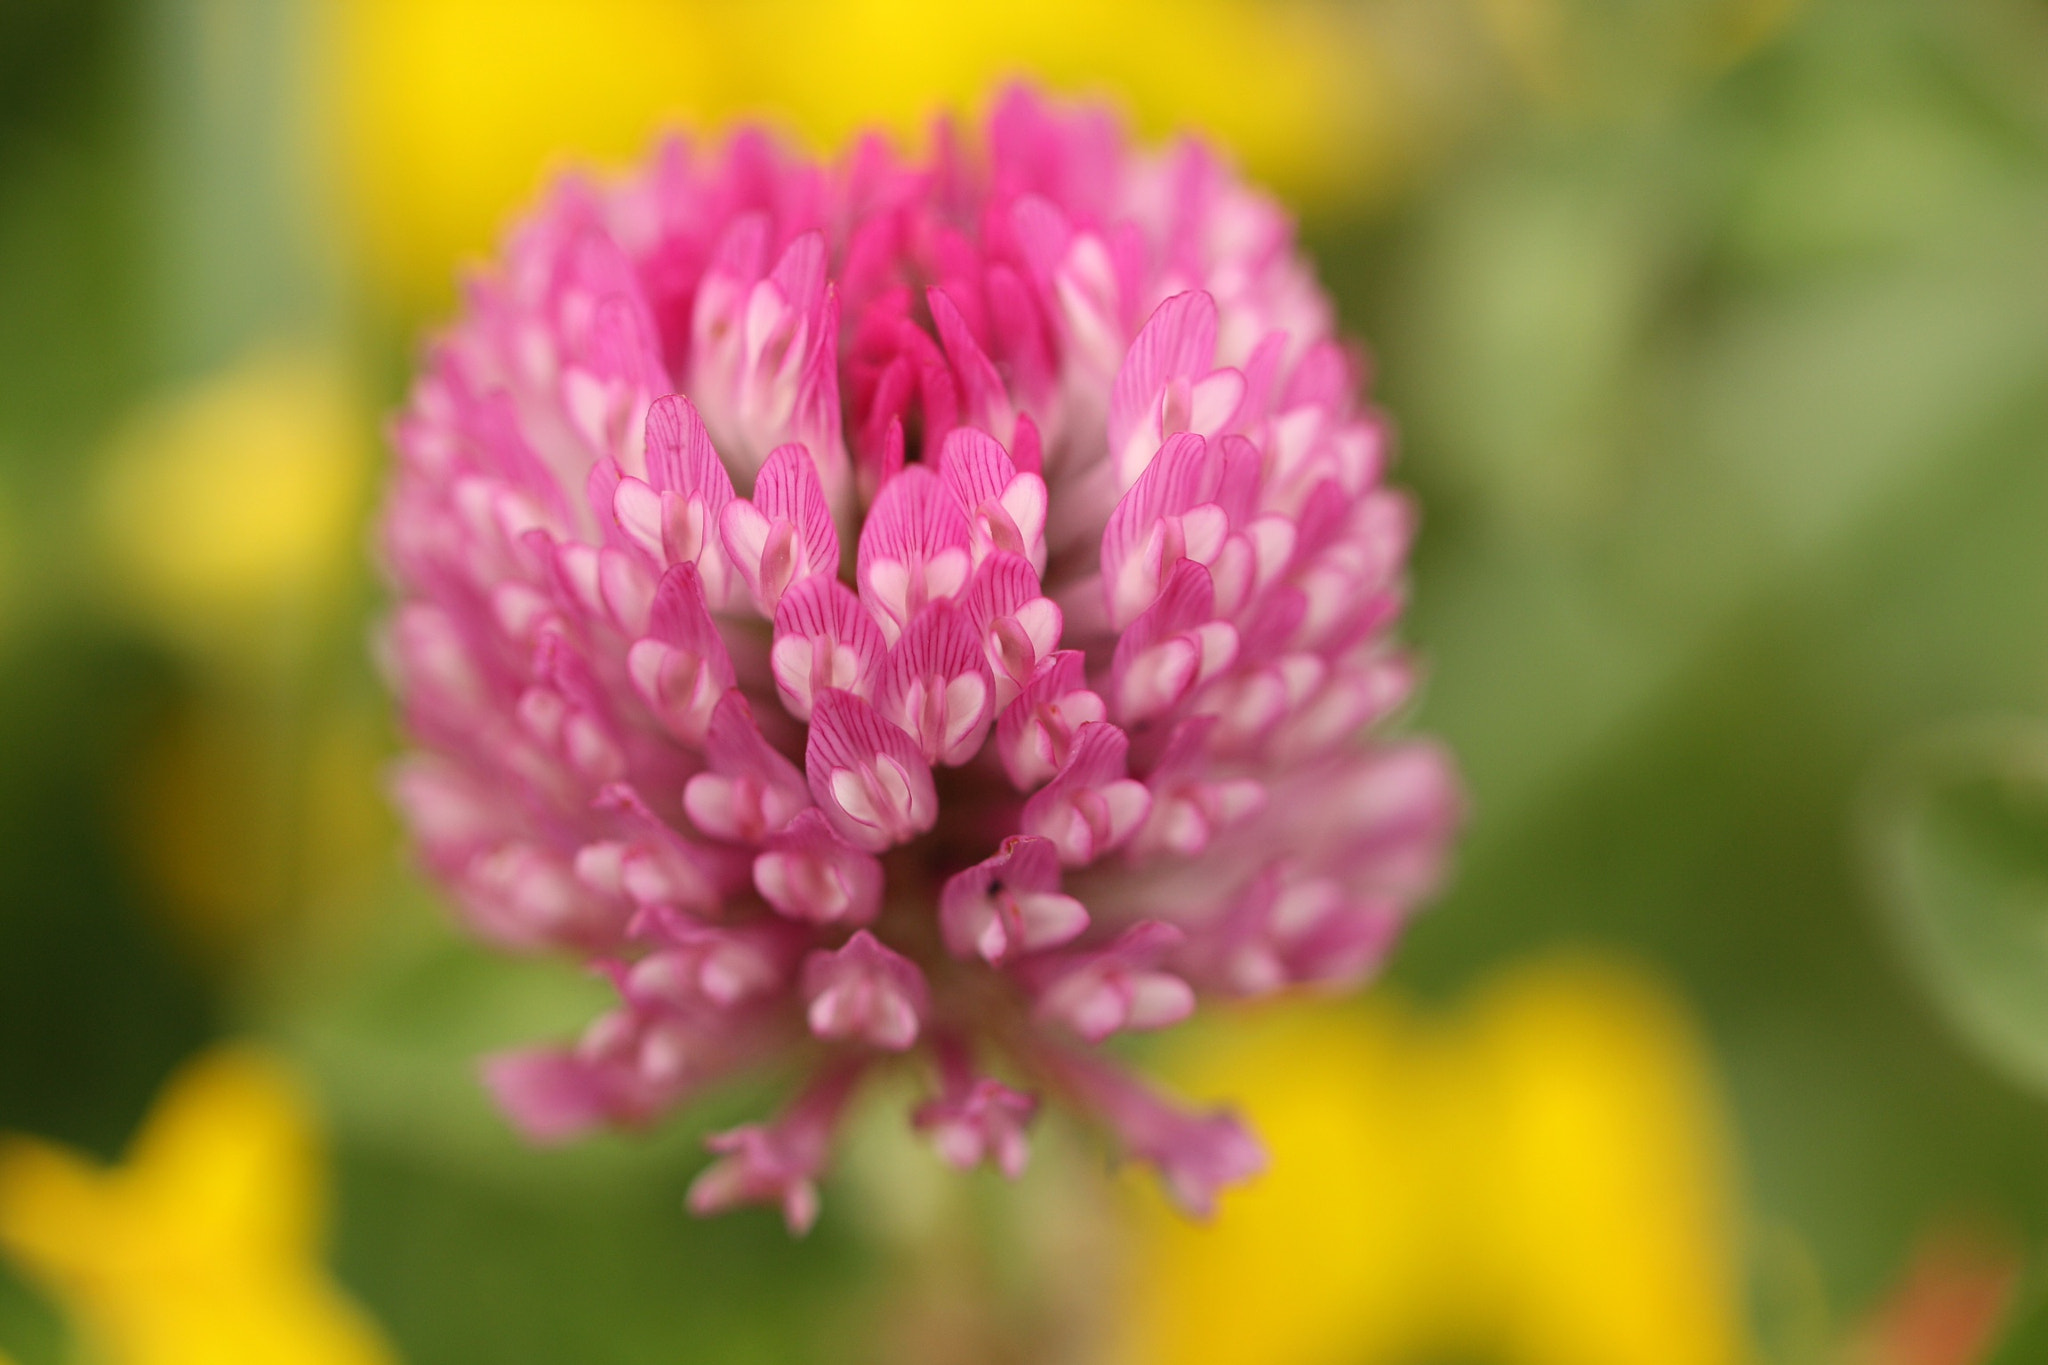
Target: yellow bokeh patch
[235, 498]
[448, 114]
[1538, 1179]
[202, 1247]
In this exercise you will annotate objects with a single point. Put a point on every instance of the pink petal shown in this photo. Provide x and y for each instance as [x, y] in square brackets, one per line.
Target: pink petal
[679, 454]
[1005, 509]
[681, 669]
[1177, 342]
[985, 398]
[692, 491]
[1036, 732]
[784, 534]
[1018, 625]
[763, 353]
[1009, 903]
[704, 966]
[936, 686]
[865, 992]
[975, 1118]
[867, 775]
[1090, 807]
[809, 873]
[548, 1092]
[777, 1163]
[1117, 987]
[1197, 1156]
[1165, 517]
[525, 895]
[824, 639]
[914, 549]
[1172, 649]
[751, 791]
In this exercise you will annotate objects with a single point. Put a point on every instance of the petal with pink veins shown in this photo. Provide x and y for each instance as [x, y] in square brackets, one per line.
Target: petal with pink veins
[695, 965]
[777, 1163]
[1172, 649]
[762, 352]
[976, 1118]
[824, 639]
[1019, 626]
[935, 685]
[1117, 988]
[1036, 732]
[1196, 1155]
[1165, 384]
[984, 398]
[681, 668]
[867, 775]
[691, 489]
[1005, 509]
[1010, 903]
[784, 534]
[914, 549]
[1090, 808]
[1169, 515]
[1191, 802]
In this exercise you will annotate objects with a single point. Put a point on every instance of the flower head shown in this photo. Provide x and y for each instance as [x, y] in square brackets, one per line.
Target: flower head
[930, 611]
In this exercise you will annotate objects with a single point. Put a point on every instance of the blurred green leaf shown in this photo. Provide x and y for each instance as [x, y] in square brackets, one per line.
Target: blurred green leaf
[96, 1006]
[1704, 538]
[1956, 837]
[29, 1326]
[2025, 1341]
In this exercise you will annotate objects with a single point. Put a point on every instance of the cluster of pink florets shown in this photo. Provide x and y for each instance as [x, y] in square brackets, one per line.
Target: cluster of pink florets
[894, 610]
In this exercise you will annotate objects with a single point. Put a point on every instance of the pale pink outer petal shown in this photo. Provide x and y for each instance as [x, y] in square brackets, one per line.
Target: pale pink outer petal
[784, 534]
[1018, 625]
[977, 1119]
[1035, 734]
[778, 1163]
[1005, 509]
[809, 873]
[1197, 1155]
[1172, 649]
[751, 791]
[865, 992]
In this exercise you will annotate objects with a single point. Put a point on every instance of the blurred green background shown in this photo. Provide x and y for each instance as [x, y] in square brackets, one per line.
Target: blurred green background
[1716, 335]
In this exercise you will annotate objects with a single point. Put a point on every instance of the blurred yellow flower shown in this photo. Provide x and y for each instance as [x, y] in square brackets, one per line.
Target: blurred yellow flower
[226, 518]
[236, 499]
[1539, 1179]
[448, 112]
[202, 1249]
